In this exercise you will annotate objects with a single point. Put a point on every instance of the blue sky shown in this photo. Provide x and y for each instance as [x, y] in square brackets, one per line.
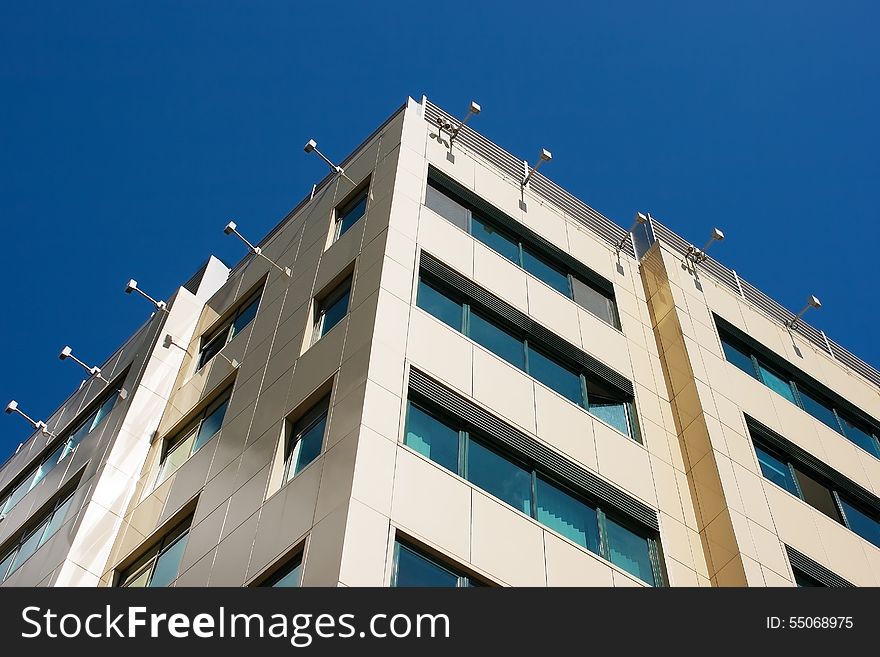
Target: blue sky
[130, 133]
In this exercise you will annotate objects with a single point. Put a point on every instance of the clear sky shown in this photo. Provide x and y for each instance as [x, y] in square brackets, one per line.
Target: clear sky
[130, 133]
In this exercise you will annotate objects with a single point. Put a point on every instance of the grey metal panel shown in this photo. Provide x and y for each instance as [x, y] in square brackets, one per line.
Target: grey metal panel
[540, 185]
[535, 331]
[801, 456]
[815, 570]
[568, 471]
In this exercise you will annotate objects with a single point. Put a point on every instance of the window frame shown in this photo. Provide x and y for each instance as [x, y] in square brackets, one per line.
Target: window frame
[192, 429]
[150, 557]
[837, 494]
[294, 560]
[10, 556]
[340, 212]
[800, 387]
[466, 435]
[326, 301]
[226, 325]
[463, 580]
[535, 244]
[317, 412]
[469, 309]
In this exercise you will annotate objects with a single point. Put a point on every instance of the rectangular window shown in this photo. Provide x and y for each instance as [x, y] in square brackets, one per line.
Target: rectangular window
[523, 252]
[861, 522]
[191, 439]
[499, 341]
[800, 392]
[820, 493]
[441, 306]
[213, 342]
[34, 538]
[305, 439]
[818, 409]
[600, 399]
[413, 568]
[567, 515]
[159, 566]
[529, 491]
[432, 437]
[348, 214]
[63, 448]
[289, 576]
[330, 311]
[776, 470]
[738, 357]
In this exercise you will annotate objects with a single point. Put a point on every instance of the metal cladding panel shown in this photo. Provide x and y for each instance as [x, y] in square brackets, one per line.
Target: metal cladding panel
[535, 331]
[815, 570]
[569, 472]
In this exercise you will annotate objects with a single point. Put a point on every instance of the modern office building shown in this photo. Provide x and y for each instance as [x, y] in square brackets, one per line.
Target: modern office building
[463, 380]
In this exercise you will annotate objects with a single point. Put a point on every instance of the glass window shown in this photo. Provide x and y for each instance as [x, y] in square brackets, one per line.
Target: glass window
[555, 376]
[595, 301]
[168, 562]
[498, 241]
[35, 538]
[567, 515]
[306, 439]
[57, 519]
[608, 406]
[431, 437]
[5, 563]
[217, 339]
[738, 357]
[538, 267]
[861, 523]
[776, 470]
[210, 425]
[431, 300]
[28, 546]
[817, 495]
[446, 207]
[192, 438]
[414, 569]
[859, 436]
[499, 476]
[332, 309]
[289, 576]
[629, 551]
[776, 382]
[497, 340]
[245, 316]
[349, 214]
[819, 409]
[159, 566]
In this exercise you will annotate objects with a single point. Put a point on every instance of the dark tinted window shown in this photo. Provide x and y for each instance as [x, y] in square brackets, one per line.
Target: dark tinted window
[499, 476]
[497, 340]
[432, 437]
[439, 305]
[348, 215]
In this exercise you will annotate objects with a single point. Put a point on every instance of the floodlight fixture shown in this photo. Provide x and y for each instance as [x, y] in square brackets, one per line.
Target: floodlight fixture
[696, 255]
[545, 156]
[132, 286]
[312, 146]
[812, 302]
[473, 110]
[232, 229]
[95, 371]
[39, 425]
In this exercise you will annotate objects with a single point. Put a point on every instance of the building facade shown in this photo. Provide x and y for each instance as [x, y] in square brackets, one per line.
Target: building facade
[462, 381]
